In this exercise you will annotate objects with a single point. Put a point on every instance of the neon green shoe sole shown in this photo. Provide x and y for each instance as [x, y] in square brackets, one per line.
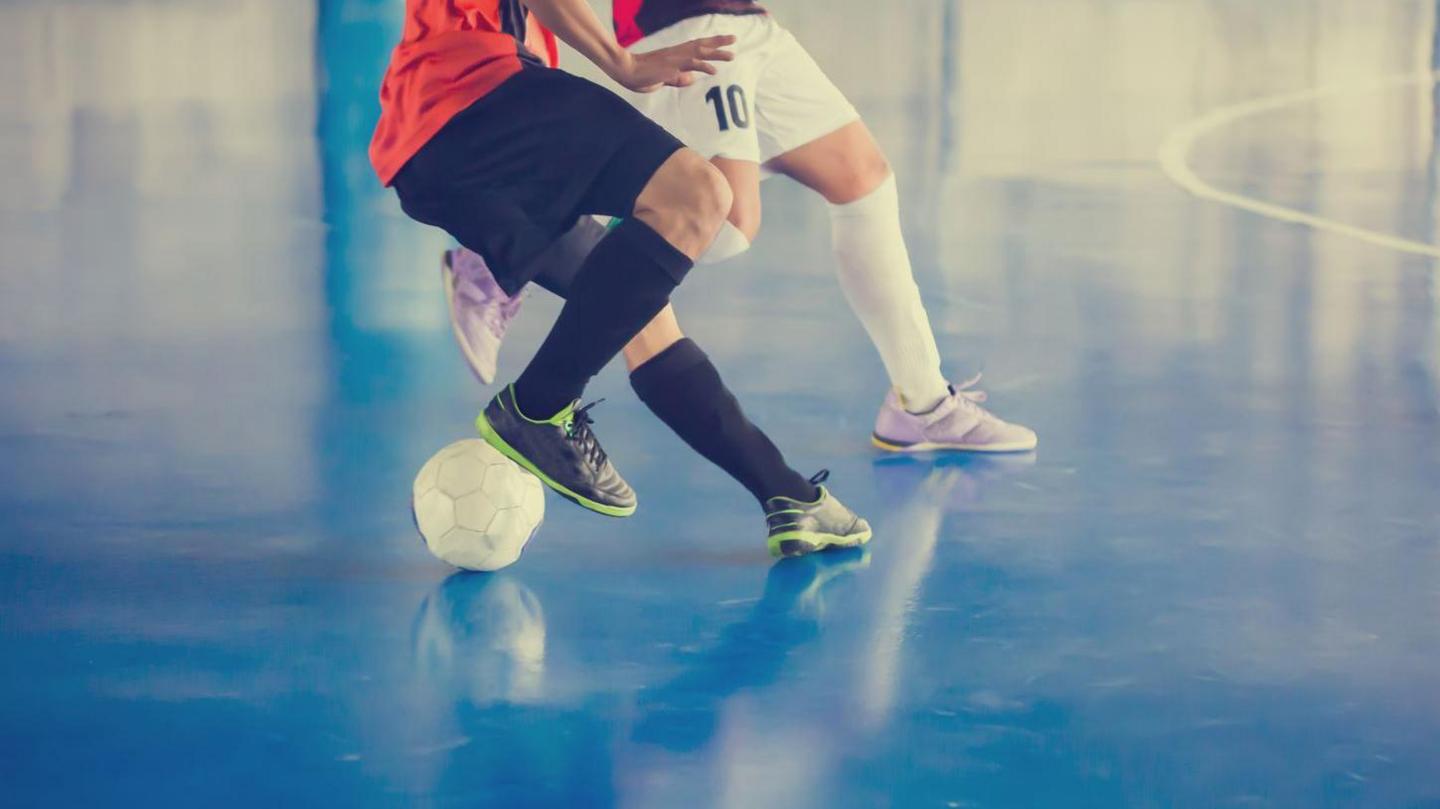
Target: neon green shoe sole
[493, 438]
[800, 543]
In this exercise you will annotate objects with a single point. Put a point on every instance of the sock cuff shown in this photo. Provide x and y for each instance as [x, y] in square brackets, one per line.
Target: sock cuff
[654, 375]
[728, 243]
[884, 197]
[643, 237]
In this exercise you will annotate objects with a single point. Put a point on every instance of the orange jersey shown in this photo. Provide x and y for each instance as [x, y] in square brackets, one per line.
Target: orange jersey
[451, 54]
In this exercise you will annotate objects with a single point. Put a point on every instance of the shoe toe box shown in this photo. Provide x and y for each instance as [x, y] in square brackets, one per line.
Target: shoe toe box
[994, 432]
[861, 527]
[613, 489]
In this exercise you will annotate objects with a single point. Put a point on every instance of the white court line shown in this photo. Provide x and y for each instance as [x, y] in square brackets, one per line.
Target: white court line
[1174, 157]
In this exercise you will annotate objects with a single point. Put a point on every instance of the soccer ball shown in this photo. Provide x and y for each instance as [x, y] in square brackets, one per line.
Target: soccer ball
[474, 507]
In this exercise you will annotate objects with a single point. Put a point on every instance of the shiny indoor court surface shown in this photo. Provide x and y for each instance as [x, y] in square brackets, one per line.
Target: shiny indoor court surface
[1192, 242]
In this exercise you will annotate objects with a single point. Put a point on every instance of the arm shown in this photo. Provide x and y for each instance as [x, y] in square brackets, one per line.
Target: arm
[574, 22]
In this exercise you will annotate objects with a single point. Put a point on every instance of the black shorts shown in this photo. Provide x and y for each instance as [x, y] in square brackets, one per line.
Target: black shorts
[512, 173]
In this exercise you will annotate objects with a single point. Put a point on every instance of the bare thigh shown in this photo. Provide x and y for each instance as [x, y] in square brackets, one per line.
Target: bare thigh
[843, 166]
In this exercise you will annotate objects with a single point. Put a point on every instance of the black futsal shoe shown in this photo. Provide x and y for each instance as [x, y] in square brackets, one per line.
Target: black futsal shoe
[798, 528]
[561, 451]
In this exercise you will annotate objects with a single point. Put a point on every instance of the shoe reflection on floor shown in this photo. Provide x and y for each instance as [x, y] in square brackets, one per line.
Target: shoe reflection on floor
[821, 648]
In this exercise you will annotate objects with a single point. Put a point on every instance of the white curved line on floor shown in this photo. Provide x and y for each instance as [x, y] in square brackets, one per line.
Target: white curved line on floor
[1174, 157]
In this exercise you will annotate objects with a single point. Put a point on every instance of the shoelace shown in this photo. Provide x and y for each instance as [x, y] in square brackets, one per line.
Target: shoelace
[511, 304]
[787, 509]
[494, 321]
[972, 398]
[577, 429]
[963, 389]
[496, 318]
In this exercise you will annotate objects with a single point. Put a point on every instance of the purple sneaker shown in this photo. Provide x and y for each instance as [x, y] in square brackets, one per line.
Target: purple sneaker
[480, 311]
[957, 423]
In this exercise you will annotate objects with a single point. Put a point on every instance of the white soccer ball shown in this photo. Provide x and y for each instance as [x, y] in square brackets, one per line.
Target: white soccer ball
[475, 508]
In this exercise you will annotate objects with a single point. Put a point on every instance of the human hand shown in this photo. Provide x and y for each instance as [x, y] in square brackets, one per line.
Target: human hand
[675, 66]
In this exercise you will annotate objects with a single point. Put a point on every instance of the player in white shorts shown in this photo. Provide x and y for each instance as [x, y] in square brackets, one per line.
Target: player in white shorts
[772, 110]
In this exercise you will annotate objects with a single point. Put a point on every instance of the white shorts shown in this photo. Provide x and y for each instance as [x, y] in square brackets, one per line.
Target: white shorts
[771, 99]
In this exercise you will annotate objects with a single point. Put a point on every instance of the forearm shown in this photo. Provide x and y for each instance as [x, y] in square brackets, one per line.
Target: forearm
[576, 24]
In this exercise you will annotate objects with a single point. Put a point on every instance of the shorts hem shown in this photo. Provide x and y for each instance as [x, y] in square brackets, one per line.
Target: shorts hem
[809, 135]
[638, 162]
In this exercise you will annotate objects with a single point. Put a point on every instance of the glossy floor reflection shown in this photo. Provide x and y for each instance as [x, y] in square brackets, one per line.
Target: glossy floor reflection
[223, 355]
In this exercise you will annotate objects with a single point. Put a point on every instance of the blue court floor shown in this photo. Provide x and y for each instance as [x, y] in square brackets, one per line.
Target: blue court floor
[1191, 242]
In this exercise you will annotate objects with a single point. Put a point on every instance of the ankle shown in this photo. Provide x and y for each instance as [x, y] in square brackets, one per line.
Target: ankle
[922, 406]
[803, 493]
[535, 406]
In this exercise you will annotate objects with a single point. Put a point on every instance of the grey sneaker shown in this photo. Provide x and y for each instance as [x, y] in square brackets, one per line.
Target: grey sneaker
[798, 528]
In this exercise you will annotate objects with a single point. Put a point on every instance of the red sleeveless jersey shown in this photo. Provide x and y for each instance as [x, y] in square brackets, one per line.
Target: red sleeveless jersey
[452, 53]
[637, 19]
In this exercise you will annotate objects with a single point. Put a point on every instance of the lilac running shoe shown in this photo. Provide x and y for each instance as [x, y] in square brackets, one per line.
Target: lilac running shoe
[957, 423]
[480, 311]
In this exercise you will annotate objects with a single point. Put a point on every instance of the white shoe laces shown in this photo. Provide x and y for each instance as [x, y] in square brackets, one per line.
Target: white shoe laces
[962, 397]
[968, 398]
[963, 390]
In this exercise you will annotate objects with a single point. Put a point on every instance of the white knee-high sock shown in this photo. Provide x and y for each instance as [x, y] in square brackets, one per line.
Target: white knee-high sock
[729, 243]
[874, 270]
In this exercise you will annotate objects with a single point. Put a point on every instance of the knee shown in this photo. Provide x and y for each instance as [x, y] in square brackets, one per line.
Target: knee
[688, 186]
[859, 175]
[686, 201]
[710, 198]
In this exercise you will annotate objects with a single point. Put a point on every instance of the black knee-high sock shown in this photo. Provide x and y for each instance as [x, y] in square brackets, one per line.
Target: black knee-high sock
[682, 387]
[624, 282]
